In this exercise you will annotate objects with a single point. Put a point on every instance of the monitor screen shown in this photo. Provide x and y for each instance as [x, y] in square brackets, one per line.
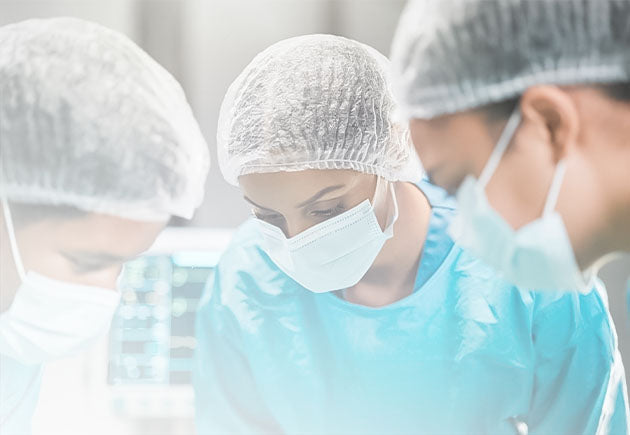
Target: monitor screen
[152, 339]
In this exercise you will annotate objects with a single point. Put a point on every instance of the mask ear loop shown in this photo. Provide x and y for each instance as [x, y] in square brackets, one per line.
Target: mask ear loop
[389, 229]
[391, 217]
[554, 189]
[376, 191]
[19, 265]
[499, 150]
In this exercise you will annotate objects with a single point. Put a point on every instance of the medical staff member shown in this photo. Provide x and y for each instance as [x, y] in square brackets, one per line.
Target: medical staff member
[523, 108]
[99, 148]
[344, 307]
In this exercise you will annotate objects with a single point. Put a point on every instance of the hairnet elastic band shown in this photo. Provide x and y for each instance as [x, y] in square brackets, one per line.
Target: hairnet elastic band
[445, 100]
[89, 204]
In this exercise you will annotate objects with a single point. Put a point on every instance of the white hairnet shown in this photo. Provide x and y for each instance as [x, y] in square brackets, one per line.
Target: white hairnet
[87, 119]
[453, 55]
[314, 102]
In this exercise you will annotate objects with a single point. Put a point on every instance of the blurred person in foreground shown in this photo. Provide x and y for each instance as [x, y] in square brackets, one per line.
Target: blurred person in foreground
[99, 148]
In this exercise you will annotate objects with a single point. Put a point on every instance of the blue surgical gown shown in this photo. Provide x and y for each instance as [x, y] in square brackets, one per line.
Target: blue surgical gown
[466, 352]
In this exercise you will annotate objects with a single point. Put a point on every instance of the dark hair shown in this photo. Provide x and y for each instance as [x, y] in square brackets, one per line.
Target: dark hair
[618, 91]
[24, 214]
[500, 111]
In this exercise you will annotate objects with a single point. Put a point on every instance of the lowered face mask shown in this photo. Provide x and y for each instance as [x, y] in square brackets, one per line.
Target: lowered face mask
[536, 256]
[49, 318]
[334, 254]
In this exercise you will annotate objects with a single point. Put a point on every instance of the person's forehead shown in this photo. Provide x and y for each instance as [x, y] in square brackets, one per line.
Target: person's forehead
[280, 189]
[97, 234]
[304, 182]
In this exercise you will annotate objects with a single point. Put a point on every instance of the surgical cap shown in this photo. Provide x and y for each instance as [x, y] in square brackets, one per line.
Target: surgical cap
[314, 102]
[89, 120]
[453, 55]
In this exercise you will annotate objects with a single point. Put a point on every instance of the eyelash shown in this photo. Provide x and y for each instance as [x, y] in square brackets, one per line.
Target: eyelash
[328, 212]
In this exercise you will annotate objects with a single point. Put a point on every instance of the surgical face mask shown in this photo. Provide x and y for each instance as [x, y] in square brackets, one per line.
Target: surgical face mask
[49, 318]
[334, 254]
[536, 256]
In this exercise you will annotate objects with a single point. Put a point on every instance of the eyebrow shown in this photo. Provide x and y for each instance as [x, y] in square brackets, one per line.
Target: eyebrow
[256, 205]
[319, 194]
[312, 199]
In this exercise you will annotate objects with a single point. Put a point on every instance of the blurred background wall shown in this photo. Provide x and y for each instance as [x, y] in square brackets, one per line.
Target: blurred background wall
[206, 43]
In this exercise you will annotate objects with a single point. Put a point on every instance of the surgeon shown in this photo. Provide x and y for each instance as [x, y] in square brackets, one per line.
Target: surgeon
[343, 307]
[523, 109]
[99, 149]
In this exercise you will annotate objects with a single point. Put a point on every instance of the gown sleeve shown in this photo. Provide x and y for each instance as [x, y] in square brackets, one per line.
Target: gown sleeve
[579, 384]
[226, 397]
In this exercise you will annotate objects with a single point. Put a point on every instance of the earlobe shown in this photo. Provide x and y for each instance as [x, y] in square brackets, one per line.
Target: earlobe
[554, 114]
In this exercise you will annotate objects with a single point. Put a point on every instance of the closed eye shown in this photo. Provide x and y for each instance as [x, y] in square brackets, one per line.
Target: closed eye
[86, 262]
[329, 212]
[87, 268]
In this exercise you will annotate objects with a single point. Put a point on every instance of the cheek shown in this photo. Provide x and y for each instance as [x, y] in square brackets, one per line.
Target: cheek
[424, 143]
[50, 263]
[448, 154]
[520, 186]
[39, 254]
[106, 278]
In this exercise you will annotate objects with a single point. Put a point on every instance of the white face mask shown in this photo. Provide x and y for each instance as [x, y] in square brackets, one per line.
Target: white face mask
[538, 255]
[334, 254]
[49, 318]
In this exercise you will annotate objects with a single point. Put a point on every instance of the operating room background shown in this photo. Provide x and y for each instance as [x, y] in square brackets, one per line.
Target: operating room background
[206, 43]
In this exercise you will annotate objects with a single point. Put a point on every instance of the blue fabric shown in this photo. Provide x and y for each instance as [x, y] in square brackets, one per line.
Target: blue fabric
[19, 390]
[436, 246]
[465, 353]
[619, 424]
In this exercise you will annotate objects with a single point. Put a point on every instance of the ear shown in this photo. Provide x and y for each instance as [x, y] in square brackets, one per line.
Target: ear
[554, 113]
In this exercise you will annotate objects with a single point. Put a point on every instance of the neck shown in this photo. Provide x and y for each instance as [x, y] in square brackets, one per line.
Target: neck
[394, 271]
[596, 215]
[608, 235]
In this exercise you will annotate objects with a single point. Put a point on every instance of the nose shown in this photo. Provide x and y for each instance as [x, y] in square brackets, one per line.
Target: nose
[293, 228]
